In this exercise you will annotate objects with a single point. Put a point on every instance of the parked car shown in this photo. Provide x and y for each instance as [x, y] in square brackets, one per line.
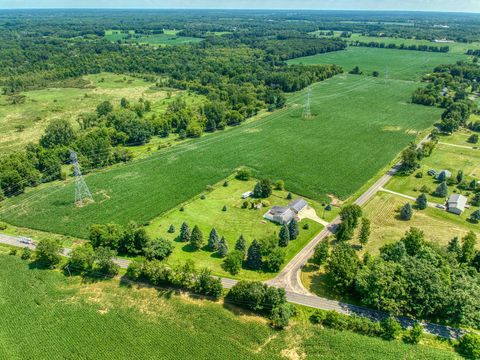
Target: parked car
[26, 240]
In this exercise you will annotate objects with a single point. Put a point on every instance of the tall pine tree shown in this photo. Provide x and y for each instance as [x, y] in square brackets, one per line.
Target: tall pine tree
[241, 244]
[284, 236]
[422, 201]
[196, 239]
[293, 229]
[254, 256]
[185, 233]
[364, 232]
[213, 240]
[222, 247]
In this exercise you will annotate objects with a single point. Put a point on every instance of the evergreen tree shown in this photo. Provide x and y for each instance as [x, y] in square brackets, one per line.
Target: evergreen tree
[289, 196]
[406, 212]
[442, 190]
[171, 229]
[254, 256]
[222, 247]
[262, 189]
[468, 247]
[241, 244]
[284, 236]
[473, 185]
[293, 229]
[213, 240]
[185, 233]
[455, 248]
[475, 216]
[196, 239]
[422, 201]
[364, 232]
[460, 176]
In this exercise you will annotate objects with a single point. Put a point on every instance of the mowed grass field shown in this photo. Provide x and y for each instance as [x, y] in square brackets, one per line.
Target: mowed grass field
[360, 124]
[390, 63]
[42, 106]
[208, 213]
[169, 37]
[45, 315]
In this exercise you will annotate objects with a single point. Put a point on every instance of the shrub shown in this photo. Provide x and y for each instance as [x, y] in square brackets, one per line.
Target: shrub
[48, 253]
[419, 175]
[281, 315]
[306, 226]
[158, 249]
[243, 174]
[390, 328]
[225, 184]
[3, 225]
[203, 197]
[134, 270]
[414, 334]
[245, 204]
[233, 262]
[469, 346]
[13, 252]
[406, 212]
[26, 254]
[279, 185]
[473, 139]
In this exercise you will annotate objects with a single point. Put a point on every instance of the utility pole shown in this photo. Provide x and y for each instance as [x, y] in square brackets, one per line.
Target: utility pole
[82, 193]
[307, 114]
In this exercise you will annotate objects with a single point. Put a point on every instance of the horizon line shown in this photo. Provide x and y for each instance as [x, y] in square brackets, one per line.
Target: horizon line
[237, 9]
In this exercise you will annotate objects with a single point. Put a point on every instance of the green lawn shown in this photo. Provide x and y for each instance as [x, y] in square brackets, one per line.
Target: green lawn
[460, 137]
[390, 63]
[360, 124]
[438, 225]
[207, 213]
[45, 315]
[444, 157]
[42, 106]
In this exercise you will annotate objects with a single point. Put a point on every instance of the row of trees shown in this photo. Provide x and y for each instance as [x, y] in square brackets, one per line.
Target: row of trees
[381, 45]
[185, 276]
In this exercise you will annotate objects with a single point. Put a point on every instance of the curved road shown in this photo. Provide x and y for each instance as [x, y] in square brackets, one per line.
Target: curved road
[289, 277]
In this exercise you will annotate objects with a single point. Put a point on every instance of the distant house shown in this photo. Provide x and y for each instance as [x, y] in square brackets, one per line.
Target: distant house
[285, 214]
[456, 204]
[447, 173]
[247, 194]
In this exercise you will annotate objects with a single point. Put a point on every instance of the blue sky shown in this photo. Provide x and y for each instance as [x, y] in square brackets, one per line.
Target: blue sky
[426, 5]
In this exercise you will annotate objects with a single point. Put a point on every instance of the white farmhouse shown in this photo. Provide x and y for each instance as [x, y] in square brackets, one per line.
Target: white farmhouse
[456, 204]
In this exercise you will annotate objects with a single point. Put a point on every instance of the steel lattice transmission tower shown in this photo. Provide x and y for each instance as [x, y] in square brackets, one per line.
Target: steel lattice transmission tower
[307, 113]
[83, 196]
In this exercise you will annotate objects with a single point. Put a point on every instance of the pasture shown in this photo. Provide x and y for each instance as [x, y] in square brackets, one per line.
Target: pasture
[359, 125]
[24, 122]
[45, 315]
[208, 212]
[390, 63]
[169, 37]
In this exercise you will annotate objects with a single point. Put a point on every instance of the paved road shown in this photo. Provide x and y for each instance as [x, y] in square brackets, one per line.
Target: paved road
[289, 277]
[430, 204]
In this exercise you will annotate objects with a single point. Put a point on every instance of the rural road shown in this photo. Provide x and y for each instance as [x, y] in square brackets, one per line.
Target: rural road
[289, 277]
[304, 299]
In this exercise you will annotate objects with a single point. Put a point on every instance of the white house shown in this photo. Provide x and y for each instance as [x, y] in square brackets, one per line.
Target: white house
[456, 204]
[285, 214]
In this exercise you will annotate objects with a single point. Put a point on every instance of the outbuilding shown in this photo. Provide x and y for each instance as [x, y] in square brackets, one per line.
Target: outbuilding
[456, 204]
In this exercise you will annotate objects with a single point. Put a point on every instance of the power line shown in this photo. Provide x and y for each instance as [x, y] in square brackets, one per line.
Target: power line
[307, 113]
[83, 196]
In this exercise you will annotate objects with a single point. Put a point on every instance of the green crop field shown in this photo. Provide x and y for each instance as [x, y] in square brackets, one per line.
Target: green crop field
[390, 63]
[169, 37]
[459, 48]
[23, 123]
[208, 213]
[360, 124]
[45, 315]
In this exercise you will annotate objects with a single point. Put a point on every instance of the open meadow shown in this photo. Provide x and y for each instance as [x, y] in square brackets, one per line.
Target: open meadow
[22, 123]
[169, 37]
[207, 212]
[46, 315]
[390, 63]
[359, 125]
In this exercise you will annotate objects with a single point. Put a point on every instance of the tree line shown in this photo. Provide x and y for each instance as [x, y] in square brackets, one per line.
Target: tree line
[413, 47]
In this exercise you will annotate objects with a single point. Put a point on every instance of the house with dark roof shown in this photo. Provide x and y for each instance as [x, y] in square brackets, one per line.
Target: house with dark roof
[456, 204]
[285, 214]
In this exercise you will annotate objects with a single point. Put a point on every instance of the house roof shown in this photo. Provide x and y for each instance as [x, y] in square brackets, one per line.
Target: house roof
[297, 204]
[457, 201]
[278, 210]
[287, 215]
